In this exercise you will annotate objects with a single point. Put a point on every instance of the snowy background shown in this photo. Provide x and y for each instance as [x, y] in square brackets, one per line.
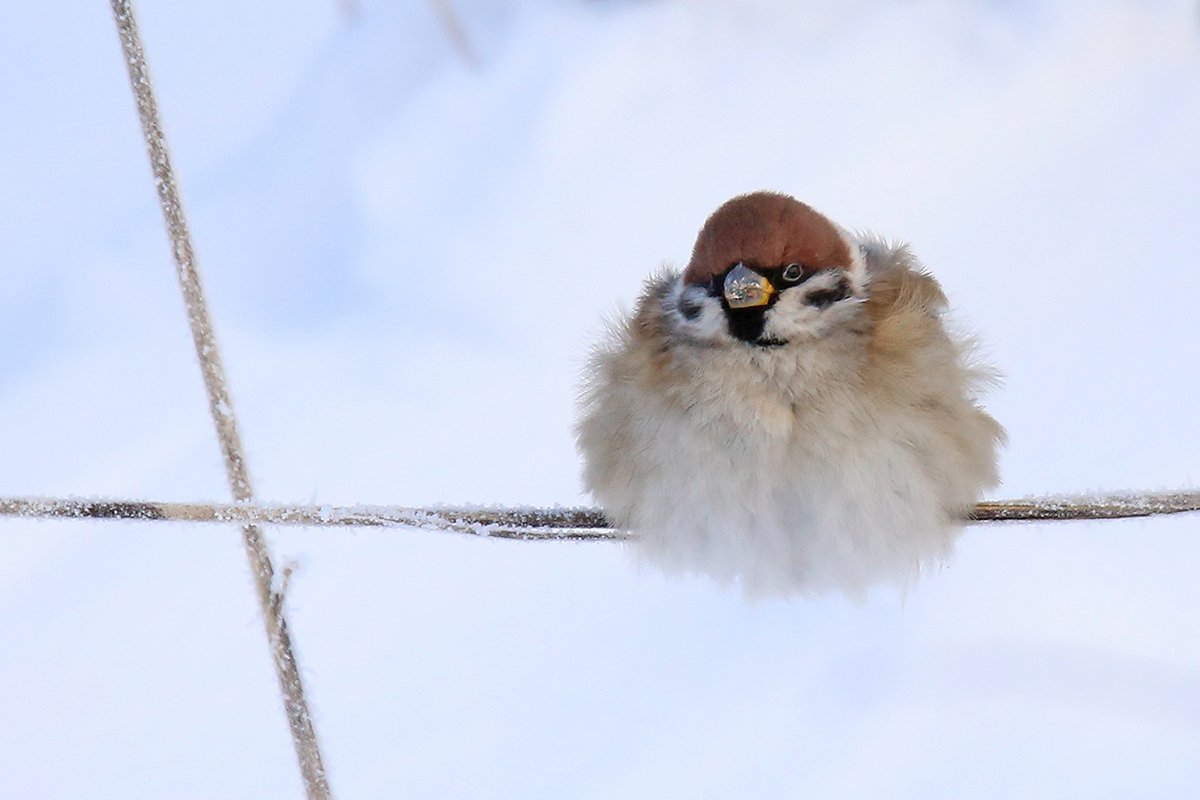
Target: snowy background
[341, 172]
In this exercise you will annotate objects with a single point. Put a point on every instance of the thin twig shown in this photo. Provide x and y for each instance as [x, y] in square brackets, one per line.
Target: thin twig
[1065, 508]
[502, 523]
[220, 404]
[537, 524]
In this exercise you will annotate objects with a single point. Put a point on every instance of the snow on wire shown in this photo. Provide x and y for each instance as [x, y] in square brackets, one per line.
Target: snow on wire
[538, 524]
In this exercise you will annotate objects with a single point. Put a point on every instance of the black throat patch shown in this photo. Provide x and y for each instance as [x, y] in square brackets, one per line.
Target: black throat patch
[746, 323]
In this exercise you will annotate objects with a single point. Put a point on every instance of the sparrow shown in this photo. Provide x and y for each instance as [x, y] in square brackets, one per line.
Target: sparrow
[790, 413]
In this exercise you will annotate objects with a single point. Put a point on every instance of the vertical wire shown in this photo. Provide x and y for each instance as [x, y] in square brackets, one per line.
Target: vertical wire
[221, 406]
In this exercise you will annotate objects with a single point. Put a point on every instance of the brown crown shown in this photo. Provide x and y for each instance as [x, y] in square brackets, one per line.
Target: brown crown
[765, 229]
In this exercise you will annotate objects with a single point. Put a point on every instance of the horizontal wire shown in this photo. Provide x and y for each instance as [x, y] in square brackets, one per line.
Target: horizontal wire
[536, 524]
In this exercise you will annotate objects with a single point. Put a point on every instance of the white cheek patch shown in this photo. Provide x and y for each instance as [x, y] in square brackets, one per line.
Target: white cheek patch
[694, 314]
[793, 317]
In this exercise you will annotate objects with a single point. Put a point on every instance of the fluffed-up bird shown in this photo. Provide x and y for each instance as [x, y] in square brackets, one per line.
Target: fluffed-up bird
[791, 412]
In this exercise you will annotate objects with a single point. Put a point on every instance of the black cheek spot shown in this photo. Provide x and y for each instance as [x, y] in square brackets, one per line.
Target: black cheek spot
[689, 308]
[824, 298]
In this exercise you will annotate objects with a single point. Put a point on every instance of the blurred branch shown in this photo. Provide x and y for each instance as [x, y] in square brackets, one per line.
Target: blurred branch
[536, 524]
[455, 32]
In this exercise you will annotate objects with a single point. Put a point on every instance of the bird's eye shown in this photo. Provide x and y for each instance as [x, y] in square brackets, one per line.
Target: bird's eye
[792, 272]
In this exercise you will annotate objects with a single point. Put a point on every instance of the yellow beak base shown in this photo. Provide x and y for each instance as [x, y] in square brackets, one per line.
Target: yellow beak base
[745, 288]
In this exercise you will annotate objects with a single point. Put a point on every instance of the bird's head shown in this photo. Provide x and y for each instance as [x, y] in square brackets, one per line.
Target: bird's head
[768, 271]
